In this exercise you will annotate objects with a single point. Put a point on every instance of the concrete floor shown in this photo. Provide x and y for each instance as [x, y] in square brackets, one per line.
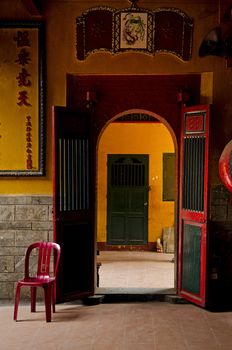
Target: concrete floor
[148, 325]
[131, 272]
[119, 326]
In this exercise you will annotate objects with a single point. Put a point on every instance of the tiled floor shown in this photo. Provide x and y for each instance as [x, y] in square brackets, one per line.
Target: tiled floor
[129, 271]
[127, 326]
[150, 325]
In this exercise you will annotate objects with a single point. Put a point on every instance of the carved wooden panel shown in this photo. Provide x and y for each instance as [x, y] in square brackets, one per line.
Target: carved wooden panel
[173, 33]
[166, 30]
[94, 31]
[195, 123]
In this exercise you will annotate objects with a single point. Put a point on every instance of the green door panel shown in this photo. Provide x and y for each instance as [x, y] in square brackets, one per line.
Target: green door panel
[117, 200]
[134, 229]
[127, 199]
[137, 199]
[191, 258]
[118, 228]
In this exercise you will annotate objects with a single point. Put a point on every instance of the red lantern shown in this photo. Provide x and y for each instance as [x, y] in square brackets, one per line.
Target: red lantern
[225, 166]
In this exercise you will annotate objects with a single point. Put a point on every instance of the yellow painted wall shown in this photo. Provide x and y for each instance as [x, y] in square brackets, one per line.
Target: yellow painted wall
[125, 138]
[60, 18]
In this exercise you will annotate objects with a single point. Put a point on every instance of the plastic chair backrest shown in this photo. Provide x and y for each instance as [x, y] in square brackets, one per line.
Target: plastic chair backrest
[44, 258]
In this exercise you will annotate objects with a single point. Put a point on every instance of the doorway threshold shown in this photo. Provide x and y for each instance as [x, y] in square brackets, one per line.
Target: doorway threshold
[111, 295]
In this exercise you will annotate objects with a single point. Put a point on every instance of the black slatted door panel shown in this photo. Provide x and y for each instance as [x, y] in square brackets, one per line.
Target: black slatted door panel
[74, 174]
[127, 175]
[74, 203]
[193, 177]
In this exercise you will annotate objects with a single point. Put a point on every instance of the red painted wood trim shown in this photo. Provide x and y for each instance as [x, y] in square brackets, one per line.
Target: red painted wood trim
[53, 173]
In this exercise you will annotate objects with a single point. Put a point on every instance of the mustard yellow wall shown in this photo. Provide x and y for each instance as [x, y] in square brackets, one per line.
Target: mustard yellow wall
[60, 18]
[125, 138]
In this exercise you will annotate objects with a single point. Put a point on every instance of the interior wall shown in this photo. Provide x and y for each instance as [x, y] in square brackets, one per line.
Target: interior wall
[125, 138]
[60, 19]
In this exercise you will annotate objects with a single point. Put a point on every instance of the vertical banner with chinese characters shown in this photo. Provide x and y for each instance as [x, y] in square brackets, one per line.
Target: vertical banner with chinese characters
[21, 99]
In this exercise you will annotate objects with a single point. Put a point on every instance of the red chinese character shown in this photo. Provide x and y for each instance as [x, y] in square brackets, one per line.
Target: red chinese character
[22, 78]
[22, 98]
[23, 57]
[22, 38]
[28, 124]
[29, 162]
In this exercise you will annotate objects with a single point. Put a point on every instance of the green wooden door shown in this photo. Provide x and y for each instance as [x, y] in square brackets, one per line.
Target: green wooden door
[127, 199]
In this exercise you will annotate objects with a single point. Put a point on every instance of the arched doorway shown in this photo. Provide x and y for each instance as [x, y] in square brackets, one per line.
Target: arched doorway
[134, 213]
[76, 134]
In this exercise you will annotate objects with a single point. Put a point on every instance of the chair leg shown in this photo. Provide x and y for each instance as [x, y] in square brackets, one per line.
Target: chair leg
[54, 297]
[47, 299]
[17, 297]
[33, 299]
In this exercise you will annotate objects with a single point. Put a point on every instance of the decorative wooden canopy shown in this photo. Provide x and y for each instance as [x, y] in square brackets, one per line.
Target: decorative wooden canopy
[103, 28]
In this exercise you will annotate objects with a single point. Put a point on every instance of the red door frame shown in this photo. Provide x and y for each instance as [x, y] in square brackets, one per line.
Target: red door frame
[145, 92]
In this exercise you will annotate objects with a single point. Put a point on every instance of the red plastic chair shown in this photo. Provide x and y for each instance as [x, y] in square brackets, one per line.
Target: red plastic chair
[43, 278]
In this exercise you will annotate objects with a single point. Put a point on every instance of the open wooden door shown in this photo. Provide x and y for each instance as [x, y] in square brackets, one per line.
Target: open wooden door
[74, 198]
[193, 204]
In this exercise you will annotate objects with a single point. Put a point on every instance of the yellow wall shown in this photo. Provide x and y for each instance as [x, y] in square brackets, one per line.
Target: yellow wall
[60, 18]
[142, 138]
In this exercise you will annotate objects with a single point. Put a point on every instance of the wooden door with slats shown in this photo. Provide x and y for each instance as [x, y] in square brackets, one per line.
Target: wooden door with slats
[127, 199]
[73, 203]
[193, 204]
